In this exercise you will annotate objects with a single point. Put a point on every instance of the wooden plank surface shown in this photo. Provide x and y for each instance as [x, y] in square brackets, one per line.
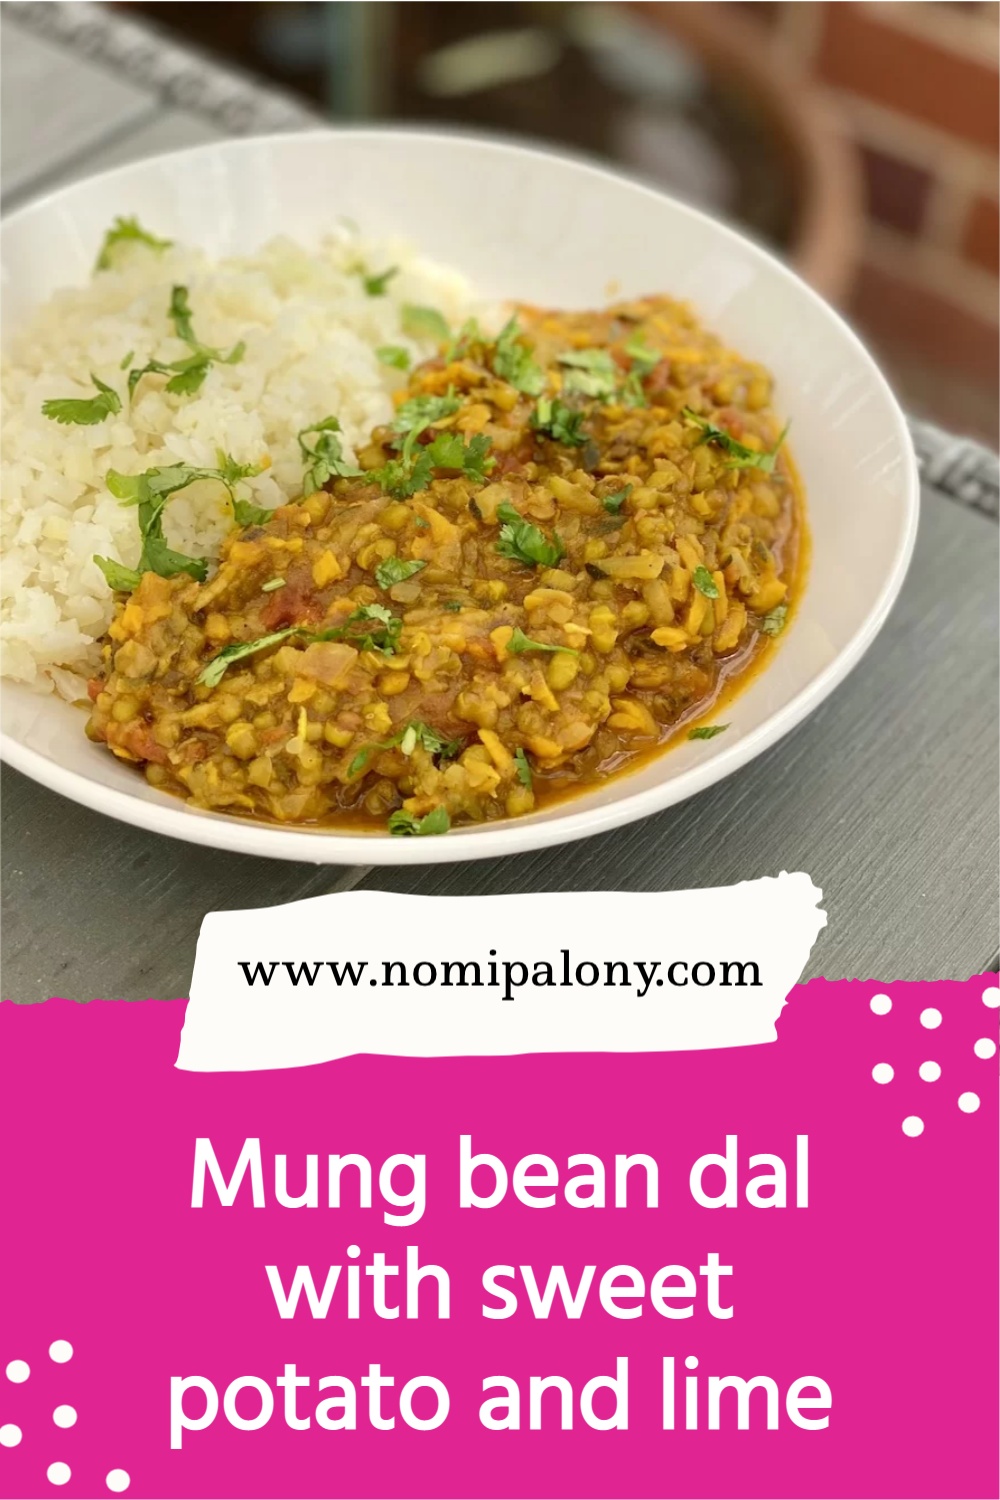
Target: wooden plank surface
[886, 796]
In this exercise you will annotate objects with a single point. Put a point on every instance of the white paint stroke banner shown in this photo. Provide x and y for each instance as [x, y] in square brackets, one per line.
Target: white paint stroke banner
[452, 976]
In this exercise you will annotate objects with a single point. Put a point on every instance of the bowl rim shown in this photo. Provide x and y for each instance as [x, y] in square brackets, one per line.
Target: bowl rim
[311, 845]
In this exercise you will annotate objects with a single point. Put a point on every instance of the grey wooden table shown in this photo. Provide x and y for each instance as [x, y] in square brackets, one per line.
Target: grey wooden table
[887, 796]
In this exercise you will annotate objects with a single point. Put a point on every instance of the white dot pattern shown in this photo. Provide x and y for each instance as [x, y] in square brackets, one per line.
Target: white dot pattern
[913, 1125]
[930, 1018]
[985, 1047]
[59, 1473]
[881, 1004]
[61, 1350]
[930, 1072]
[968, 1103]
[64, 1416]
[883, 1073]
[18, 1371]
[118, 1481]
[10, 1435]
[991, 996]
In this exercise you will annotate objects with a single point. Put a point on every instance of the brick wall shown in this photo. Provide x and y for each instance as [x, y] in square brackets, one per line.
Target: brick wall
[916, 87]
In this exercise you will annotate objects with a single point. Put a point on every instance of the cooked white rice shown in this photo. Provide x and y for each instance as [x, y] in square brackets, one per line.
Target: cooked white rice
[310, 331]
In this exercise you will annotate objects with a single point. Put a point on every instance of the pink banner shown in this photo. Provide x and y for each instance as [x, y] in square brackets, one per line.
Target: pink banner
[867, 1304]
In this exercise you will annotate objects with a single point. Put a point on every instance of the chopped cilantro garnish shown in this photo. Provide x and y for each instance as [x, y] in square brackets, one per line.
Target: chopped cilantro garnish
[403, 822]
[394, 570]
[774, 621]
[356, 630]
[642, 356]
[421, 412]
[705, 583]
[84, 411]
[513, 361]
[324, 456]
[554, 419]
[406, 739]
[375, 285]
[414, 469]
[121, 231]
[523, 768]
[592, 372]
[706, 731]
[393, 355]
[522, 541]
[453, 604]
[150, 491]
[519, 643]
[613, 503]
[740, 456]
[186, 375]
[117, 575]
[424, 323]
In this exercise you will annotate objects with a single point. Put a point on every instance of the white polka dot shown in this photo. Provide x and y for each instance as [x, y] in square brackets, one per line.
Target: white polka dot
[61, 1351]
[930, 1072]
[883, 1073]
[118, 1480]
[10, 1435]
[930, 1018]
[991, 996]
[18, 1371]
[968, 1103]
[881, 1004]
[64, 1416]
[985, 1047]
[913, 1125]
[58, 1473]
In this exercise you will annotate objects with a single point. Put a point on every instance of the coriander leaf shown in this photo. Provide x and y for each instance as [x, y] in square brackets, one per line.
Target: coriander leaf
[245, 513]
[592, 372]
[324, 457]
[631, 392]
[127, 360]
[271, 585]
[469, 335]
[406, 739]
[705, 583]
[123, 230]
[523, 542]
[116, 575]
[523, 768]
[361, 759]
[375, 285]
[402, 477]
[513, 361]
[422, 411]
[740, 456]
[212, 674]
[644, 359]
[394, 570]
[774, 621]
[448, 451]
[370, 628]
[179, 313]
[706, 731]
[150, 492]
[423, 323]
[454, 605]
[84, 412]
[154, 367]
[613, 503]
[393, 355]
[403, 822]
[554, 419]
[190, 375]
[519, 643]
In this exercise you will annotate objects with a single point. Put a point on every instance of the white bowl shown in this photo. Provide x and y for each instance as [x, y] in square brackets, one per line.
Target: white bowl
[547, 229]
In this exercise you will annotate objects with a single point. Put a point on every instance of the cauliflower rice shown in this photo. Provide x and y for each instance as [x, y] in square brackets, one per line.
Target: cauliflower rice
[311, 332]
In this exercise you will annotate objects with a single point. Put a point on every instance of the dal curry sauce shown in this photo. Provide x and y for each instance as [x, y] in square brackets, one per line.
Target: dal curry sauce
[567, 543]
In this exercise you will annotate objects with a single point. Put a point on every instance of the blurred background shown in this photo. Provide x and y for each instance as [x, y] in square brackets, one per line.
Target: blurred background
[858, 139]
